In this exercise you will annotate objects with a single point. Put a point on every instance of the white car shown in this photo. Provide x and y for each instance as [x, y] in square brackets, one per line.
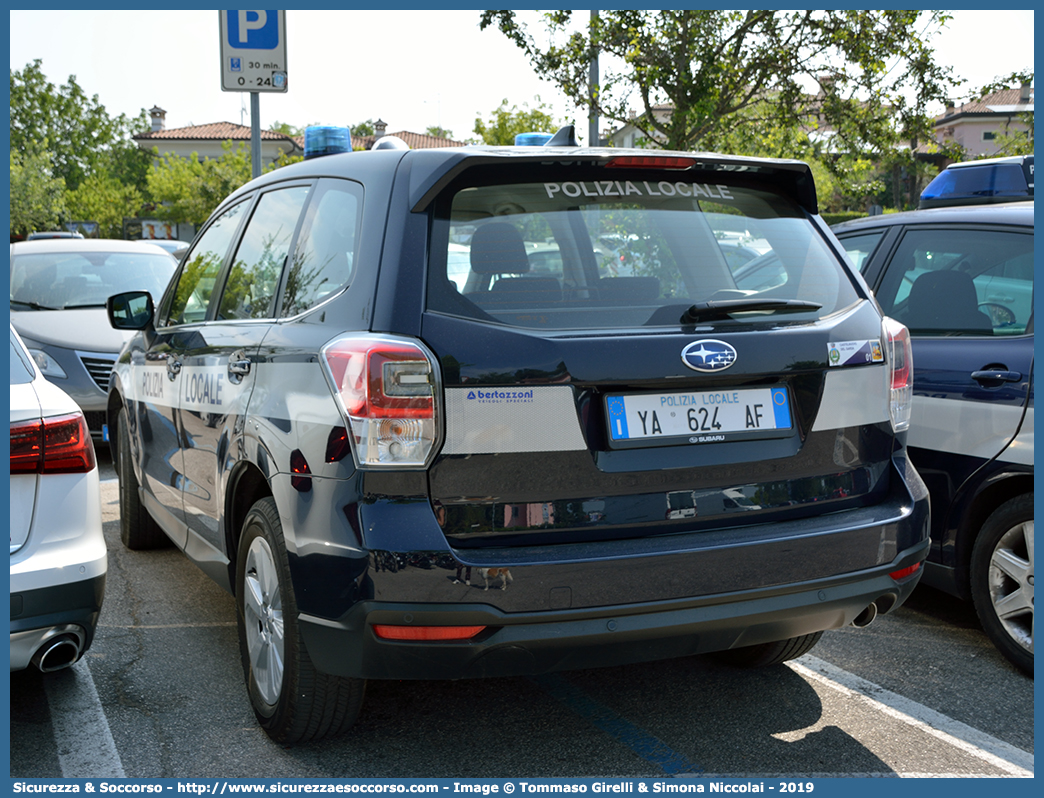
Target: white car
[58, 556]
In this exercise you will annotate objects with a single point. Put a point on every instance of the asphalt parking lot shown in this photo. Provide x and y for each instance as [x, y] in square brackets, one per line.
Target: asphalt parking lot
[921, 692]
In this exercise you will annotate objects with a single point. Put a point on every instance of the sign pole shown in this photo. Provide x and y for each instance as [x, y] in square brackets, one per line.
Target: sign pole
[255, 134]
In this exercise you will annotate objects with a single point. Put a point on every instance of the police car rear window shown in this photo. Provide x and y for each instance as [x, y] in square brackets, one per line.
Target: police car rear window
[605, 249]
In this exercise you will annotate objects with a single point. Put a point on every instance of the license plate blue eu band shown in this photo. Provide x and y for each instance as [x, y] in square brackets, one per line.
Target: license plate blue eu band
[704, 413]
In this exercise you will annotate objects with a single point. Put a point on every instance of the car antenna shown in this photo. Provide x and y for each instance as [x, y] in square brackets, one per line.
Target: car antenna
[565, 137]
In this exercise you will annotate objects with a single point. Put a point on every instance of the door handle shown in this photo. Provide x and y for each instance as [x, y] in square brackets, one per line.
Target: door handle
[238, 366]
[996, 375]
[173, 367]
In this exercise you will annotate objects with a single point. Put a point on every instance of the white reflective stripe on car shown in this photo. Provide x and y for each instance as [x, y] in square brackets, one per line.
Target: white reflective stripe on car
[853, 397]
[491, 420]
[205, 388]
[974, 429]
[1021, 449]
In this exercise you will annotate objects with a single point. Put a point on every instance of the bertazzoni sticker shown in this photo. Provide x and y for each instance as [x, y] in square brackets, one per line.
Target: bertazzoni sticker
[854, 353]
[539, 418]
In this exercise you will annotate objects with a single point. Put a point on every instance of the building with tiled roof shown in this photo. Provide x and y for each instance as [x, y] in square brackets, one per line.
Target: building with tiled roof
[206, 140]
[415, 141]
[976, 125]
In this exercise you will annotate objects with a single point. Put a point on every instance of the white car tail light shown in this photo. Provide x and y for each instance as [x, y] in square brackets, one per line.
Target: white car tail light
[55, 445]
[388, 390]
[900, 359]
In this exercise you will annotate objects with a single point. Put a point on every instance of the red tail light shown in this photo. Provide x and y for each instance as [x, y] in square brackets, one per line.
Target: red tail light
[389, 632]
[55, 445]
[902, 573]
[387, 388]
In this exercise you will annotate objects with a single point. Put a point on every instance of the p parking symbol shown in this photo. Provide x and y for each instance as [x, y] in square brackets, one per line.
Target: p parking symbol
[253, 30]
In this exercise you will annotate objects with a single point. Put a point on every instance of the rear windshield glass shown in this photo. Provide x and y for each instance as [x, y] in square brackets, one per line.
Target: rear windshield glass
[633, 250]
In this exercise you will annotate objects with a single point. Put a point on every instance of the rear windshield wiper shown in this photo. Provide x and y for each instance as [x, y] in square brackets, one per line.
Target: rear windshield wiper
[722, 308]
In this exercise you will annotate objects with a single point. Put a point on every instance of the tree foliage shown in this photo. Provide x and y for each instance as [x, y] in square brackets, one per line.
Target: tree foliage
[37, 198]
[77, 130]
[363, 128]
[102, 198]
[866, 76]
[289, 130]
[188, 189]
[438, 132]
[505, 123]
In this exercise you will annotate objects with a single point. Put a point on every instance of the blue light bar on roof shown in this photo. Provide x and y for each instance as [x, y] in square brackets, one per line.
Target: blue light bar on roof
[532, 139]
[993, 180]
[326, 140]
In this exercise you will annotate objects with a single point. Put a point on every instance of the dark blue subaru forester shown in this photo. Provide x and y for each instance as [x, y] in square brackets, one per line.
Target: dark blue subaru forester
[499, 411]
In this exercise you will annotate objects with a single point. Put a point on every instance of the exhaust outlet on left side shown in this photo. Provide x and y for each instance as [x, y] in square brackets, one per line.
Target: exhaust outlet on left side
[57, 653]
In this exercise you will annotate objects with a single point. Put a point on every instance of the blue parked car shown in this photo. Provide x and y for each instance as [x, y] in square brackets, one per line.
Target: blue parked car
[960, 277]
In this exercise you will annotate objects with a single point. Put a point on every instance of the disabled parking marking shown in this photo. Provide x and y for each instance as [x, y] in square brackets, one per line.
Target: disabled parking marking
[998, 753]
[81, 730]
[648, 747]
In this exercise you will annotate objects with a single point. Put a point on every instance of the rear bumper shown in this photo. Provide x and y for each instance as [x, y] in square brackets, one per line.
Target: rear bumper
[534, 643]
[622, 601]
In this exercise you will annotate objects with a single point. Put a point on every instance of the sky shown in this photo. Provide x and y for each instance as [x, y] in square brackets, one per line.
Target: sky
[413, 69]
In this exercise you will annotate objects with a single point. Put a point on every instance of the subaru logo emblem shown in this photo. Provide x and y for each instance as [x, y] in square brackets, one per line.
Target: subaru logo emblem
[708, 355]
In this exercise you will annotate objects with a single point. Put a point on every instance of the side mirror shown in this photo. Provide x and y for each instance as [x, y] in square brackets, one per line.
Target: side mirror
[131, 310]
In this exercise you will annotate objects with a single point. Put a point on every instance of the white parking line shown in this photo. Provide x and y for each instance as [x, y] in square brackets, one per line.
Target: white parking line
[81, 730]
[998, 753]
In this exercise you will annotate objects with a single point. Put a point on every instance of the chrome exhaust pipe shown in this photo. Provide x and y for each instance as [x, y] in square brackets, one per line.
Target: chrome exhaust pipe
[866, 617]
[57, 653]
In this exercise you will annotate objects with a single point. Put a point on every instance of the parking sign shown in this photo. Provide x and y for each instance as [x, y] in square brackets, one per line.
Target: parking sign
[253, 50]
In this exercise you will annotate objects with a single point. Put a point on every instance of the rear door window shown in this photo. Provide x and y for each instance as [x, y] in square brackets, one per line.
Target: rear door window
[592, 253]
[258, 264]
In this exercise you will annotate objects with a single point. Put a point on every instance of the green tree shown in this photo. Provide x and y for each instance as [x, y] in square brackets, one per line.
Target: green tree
[505, 123]
[290, 130]
[78, 130]
[363, 128]
[873, 71]
[37, 198]
[187, 189]
[102, 198]
[439, 132]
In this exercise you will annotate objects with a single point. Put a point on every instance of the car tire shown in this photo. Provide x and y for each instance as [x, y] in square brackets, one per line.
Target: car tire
[292, 701]
[1002, 579]
[774, 653]
[138, 529]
